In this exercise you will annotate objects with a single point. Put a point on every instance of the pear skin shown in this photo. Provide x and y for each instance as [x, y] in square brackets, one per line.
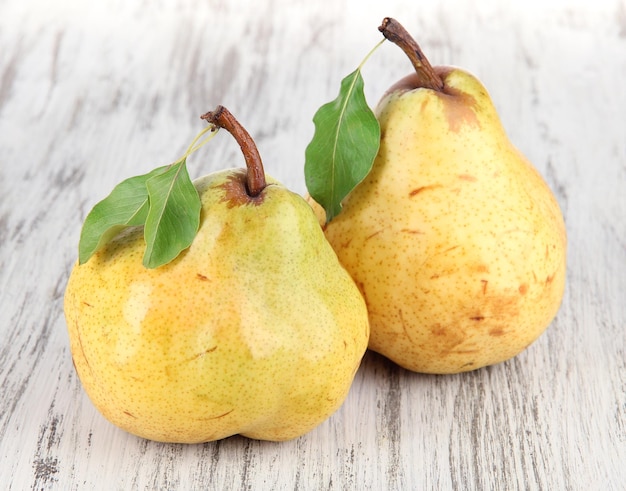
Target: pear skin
[254, 329]
[455, 240]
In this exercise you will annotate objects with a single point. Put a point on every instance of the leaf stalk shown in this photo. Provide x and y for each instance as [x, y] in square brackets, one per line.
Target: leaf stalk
[255, 176]
[397, 34]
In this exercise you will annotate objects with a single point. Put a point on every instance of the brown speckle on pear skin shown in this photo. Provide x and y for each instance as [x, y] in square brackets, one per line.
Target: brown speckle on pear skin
[416, 191]
[372, 235]
[484, 283]
[468, 178]
[219, 416]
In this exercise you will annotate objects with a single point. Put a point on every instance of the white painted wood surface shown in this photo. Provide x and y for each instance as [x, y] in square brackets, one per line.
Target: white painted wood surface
[94, 92]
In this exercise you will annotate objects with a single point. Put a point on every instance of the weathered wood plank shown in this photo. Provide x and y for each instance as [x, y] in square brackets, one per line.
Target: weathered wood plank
[91, 94]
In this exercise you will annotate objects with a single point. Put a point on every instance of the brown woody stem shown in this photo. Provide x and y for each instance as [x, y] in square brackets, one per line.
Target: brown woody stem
[255, 176]
[397, 34]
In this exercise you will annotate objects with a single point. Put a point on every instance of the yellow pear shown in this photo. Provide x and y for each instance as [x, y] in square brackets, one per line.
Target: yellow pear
[455, 240]
[255, 329]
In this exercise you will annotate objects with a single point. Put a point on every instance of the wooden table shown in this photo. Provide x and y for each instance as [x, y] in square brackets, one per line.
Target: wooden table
[94, 92]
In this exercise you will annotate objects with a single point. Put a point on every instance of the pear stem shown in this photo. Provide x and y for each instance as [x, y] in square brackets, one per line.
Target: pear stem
[397, 34]
[255, 175]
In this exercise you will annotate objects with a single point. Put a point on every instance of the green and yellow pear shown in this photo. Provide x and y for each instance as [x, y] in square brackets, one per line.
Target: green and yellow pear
[455, 240]
[256, 329]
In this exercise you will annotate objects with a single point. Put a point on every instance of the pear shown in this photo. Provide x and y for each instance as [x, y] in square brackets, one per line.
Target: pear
[256, 329]
[455, 240]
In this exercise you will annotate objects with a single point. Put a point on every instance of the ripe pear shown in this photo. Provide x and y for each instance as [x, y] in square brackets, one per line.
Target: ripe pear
[256, 329]
[455, 240]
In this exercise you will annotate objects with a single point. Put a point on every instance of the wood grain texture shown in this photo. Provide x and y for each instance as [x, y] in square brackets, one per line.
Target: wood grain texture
[94, 92]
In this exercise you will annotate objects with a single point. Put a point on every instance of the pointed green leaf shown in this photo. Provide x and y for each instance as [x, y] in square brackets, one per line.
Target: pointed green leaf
[125, 206]
[343, 148]
[174, 215]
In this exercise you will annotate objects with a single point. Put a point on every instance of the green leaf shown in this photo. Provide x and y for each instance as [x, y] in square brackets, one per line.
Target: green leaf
[125, 206]
[343, 148]
[173, 217]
